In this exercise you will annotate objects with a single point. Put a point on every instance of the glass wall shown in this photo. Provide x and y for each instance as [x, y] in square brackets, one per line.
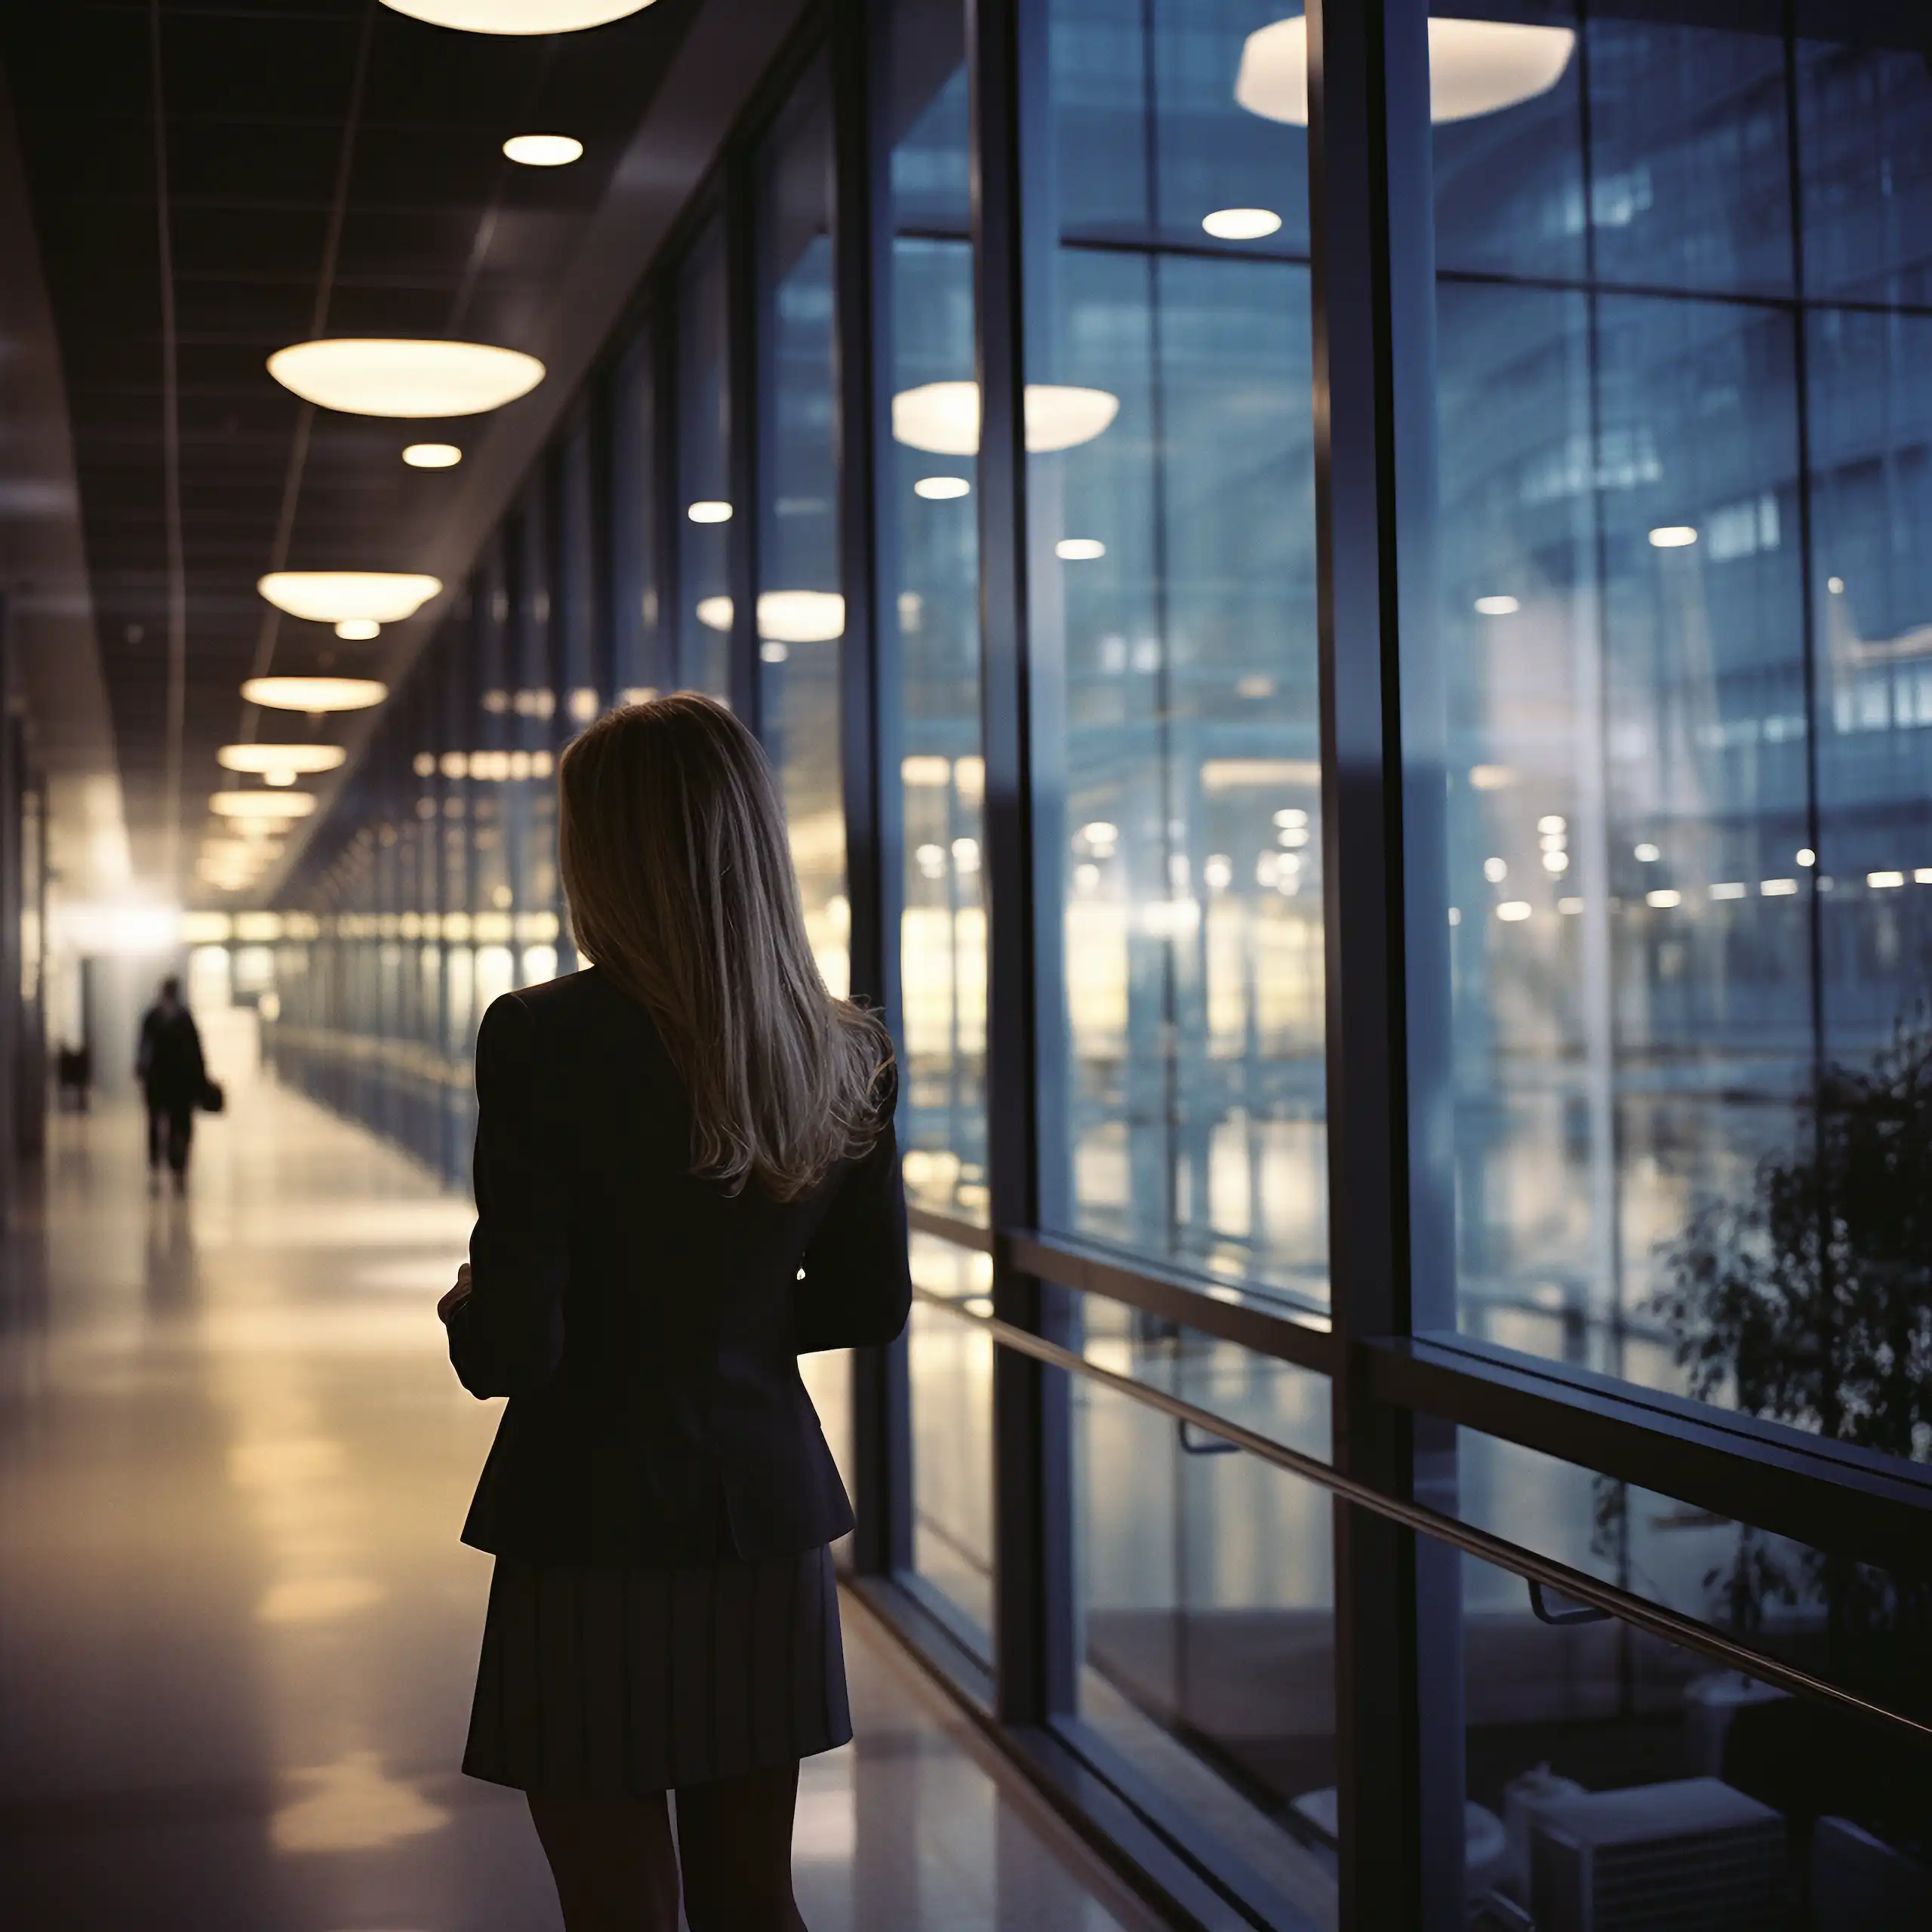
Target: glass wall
[1681, 612]
[1171, 557]
[1682, 630]
[930, 520]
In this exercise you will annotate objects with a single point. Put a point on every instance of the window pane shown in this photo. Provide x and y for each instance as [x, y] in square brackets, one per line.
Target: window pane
[1208, 1633]
[801, 612]
[1607, 1769]
[1685, 612]
[640, 669]
[703, 468]
[928, 525]
[950, 1366]
[1172, 575]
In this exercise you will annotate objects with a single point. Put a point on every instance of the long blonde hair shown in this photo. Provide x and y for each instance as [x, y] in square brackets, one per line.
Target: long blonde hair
[682, 890]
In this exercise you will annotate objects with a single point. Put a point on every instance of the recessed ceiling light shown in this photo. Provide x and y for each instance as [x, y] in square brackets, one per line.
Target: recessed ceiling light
[337, 597]
[376, 375]
[710, 512]
[1672, 537]
[518, 16]
[1079, 549]
[944, 417]
[280, 764]
[263, 804]
[433, 456]
[314, 694]
[357, 630]
[1240, 224]
[543, 150]
[942, 489]
[1475, 67]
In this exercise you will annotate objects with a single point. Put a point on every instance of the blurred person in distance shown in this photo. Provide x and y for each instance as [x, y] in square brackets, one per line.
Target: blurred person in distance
[173, 1079]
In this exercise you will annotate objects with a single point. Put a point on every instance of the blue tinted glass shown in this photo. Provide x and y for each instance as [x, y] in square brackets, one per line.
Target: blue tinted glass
[703, 629]
[1172, 584]
[1684, 624]
[801, 610]
[928, 519]
[639, 644]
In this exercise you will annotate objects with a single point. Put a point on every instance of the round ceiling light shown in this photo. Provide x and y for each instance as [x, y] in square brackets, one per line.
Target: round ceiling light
[339, 597]
[944, 417]
[433, 456]
[263, 804]
[376, 376]
[1475, 67]
[357, 630]
[314, 694]
[942, 489]
[518, 16]
[280, 764]
[800, 617]
[1242, 224]
[543, 150]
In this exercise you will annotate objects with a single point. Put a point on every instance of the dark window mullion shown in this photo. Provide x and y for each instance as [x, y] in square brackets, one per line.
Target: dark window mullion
[870, 700]
[1399, 1726]
[1033, 1527]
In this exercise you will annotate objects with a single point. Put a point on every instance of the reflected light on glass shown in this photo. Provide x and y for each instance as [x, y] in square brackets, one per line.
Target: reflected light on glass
[1495, 870]
[337, 597]
[381, 375]
[433, 456]
[1497, 607]
[1672, 537]
[784, 617]
[1835, 584]
[942, 489]
[1475, 67]
[543, 150]
[1806, 857]
[263, 804]
[943, 418]
[519, 17]
[314, 694]
[1079, 549]
[710, 512]
[800, 617]
[1242, 224]
[1647, 854]
[1513, 909]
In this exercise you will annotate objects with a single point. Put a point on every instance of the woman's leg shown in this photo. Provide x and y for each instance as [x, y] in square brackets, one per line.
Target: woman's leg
[612, 1860]
[734, 1843]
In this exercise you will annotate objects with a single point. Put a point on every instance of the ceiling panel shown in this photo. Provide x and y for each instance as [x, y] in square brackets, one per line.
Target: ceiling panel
[437, 234]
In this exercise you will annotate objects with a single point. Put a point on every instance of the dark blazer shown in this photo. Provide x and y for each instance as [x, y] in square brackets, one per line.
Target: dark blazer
[169, 1061]
[645, 1324]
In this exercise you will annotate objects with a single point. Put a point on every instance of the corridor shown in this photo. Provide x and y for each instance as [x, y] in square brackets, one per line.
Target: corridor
[237, 1631]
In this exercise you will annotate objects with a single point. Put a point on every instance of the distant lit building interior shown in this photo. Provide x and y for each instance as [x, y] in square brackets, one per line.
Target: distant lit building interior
[1344, 606]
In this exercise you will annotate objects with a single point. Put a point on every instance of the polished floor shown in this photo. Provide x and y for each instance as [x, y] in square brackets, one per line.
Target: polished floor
[237, 1631]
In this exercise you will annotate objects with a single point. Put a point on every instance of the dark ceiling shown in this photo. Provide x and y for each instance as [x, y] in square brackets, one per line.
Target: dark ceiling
[331, 169]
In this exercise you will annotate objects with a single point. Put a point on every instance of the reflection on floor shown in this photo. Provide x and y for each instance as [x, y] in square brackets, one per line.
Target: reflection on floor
[237, 1631]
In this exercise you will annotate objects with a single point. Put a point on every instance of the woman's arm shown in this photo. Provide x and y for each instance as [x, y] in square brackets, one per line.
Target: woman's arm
[507, 1335]
[858, 1286]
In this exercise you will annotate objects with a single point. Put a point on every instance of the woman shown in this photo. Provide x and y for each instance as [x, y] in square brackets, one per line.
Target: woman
[686, 1177]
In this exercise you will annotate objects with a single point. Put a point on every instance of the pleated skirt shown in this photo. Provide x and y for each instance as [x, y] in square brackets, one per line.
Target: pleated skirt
[614, 1681]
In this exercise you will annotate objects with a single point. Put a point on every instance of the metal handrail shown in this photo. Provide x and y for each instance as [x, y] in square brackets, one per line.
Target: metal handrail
[1576, 1584]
